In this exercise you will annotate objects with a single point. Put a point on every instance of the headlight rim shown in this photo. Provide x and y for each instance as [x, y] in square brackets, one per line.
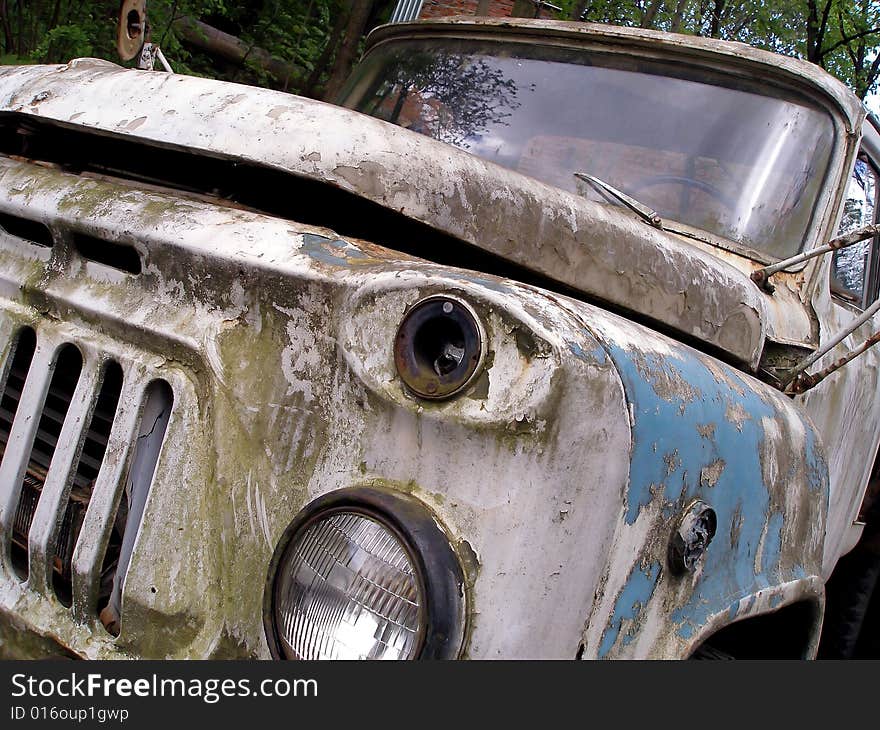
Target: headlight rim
[437, 568]
[404, 356]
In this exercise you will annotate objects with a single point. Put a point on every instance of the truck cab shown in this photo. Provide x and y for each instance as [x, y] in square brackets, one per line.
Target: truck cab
[515, 353]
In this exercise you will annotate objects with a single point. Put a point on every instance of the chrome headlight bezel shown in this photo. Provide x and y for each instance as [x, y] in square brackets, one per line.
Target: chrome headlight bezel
[437, 568]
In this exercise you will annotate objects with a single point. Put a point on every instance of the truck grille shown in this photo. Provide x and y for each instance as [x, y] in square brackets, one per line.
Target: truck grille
[67, 370]
[59, 415]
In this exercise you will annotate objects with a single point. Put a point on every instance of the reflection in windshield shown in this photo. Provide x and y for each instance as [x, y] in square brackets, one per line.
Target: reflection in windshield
[448, 96]
[730, 161]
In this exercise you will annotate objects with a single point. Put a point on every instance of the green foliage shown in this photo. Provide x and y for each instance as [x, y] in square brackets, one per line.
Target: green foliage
[841, 35]
[63, 42]
[53, 31]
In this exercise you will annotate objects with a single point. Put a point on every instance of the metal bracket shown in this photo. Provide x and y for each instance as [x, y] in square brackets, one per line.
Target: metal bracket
[762, 276]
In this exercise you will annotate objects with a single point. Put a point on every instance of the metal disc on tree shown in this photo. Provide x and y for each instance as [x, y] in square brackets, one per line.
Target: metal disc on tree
[131, 28]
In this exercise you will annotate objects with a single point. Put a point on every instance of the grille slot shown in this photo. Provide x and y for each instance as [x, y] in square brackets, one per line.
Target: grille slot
[23, 353]
[29, 230]
[115, 255]
[154, 418]
[69, 516]
[64, 379]
[89, 464]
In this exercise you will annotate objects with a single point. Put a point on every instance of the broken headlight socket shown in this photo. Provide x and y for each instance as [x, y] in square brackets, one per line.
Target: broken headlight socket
[694, 531]
[364, 573]
[440, 347]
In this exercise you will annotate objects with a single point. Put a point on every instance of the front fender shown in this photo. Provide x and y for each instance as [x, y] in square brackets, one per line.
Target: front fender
[702, 430]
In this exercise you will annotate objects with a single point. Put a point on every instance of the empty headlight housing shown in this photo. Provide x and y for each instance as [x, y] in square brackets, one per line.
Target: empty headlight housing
[439, 347]
[364, 573]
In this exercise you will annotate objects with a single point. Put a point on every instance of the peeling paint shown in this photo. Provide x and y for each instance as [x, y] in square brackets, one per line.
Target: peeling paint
[629, 606]
[584, 435]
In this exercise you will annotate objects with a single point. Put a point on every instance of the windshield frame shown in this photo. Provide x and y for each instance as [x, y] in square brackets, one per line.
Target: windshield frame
[775, 75]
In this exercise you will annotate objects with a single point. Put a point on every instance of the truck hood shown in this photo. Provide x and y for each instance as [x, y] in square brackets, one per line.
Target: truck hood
[606, 254]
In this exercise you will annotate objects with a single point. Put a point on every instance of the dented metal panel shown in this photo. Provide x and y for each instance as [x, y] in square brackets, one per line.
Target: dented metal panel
[704, 432]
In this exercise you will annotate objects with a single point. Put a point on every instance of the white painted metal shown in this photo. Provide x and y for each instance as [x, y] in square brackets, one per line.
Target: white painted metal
[21, 439]
[54, 495]
[276, 338]
[406, 10]
[106, 494]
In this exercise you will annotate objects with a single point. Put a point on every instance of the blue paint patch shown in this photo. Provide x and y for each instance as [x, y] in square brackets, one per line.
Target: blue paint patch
[577, 350]
[816, 465]
[680, 407]
[631, 601]
[595, 356]
[324, 250]
[733, 611]
[685, 627]
[688, 420]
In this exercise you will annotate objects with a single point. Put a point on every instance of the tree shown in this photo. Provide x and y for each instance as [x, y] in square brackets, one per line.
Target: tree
[357, 14]
[310, 46]
[841, 36]
[295, 45]
[453, 97]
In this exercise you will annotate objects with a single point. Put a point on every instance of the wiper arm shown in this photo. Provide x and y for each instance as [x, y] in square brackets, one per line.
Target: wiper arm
[640, 209]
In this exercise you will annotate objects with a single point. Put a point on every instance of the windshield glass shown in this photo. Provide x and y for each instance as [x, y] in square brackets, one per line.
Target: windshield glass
[701, 149]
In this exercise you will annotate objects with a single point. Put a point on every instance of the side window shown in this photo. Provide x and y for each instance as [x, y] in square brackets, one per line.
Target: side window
[853, 269]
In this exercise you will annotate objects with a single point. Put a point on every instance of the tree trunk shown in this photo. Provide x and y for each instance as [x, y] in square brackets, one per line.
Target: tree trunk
[651, 13]
[310, 88]
[358, 14]
[578, 10]
[817, 26]
[7, 28]
[675, 25]
[217, 43]
[717, 12]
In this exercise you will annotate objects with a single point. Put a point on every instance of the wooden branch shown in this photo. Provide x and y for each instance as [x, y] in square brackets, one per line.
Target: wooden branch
[847, 40]
[217, 43]
[873, 72]
[826, 12]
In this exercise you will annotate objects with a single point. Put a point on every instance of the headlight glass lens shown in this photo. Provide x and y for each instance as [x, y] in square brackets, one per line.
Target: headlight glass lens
[347, 589]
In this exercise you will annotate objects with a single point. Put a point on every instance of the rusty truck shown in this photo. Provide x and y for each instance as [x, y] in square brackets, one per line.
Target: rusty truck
[551, 340]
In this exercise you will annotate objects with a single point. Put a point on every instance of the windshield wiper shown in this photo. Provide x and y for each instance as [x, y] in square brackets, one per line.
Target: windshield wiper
[640, 209]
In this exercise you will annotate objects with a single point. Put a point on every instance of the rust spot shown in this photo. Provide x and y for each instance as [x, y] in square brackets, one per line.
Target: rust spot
[737, 415]
[707, 431]
[672, 462]
[709, 475]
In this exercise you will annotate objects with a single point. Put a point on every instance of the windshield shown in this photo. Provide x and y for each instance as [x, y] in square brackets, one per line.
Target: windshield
[701, 149]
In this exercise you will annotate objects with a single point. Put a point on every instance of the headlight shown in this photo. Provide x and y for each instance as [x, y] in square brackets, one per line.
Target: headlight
[439, 347]
[364, 574]
[348, 590]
